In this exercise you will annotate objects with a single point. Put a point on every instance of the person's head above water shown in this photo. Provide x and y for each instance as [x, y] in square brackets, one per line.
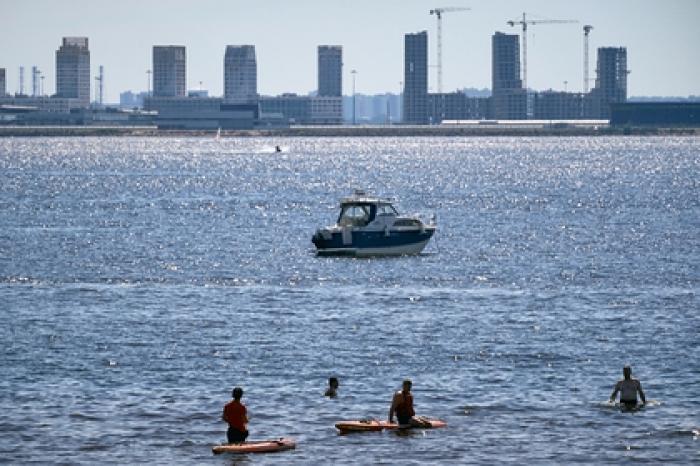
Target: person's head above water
[237, 393]
[627, 372]
[333, 382]
[407, 384]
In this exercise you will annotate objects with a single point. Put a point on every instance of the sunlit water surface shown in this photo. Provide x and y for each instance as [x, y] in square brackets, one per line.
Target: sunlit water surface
[141, 279]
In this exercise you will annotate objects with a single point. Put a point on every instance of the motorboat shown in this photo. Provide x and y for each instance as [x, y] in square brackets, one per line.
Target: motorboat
[371, 226]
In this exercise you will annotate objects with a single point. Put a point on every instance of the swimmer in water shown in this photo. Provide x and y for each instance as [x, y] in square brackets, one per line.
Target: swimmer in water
[628, 388]
[333, 385]
[278, 149]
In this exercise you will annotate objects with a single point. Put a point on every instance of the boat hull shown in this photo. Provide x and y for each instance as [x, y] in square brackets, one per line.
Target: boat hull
[367, 243]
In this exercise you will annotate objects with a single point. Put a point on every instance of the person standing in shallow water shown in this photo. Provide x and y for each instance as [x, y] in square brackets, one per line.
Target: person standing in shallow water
[236, 414]
[333, 385]
[628, 388]
[402, 405]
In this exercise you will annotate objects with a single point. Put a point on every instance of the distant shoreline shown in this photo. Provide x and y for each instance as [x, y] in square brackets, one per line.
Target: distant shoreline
[341, 131]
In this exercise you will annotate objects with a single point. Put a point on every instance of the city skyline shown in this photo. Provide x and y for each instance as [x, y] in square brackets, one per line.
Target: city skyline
[286, 36]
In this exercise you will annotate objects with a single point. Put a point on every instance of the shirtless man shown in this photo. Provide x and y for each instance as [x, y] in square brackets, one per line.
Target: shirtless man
[402, 405]
[628, 388]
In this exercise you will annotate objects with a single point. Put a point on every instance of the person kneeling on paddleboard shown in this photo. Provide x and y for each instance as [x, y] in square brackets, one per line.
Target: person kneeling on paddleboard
[235, 414]
[402, 405]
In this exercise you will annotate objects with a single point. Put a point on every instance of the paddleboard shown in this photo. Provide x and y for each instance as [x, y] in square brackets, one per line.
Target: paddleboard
[261, 446]
[373, 425]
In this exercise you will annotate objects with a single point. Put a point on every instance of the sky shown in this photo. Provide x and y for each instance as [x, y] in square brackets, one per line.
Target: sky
[661, 37]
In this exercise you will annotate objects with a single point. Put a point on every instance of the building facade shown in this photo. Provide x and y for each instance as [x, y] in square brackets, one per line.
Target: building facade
[294, 109]
[205, 113]
[509, 99]
[457, 106]
[554, 105]
[240, 74]
[611, 80]
[415, 91]
[169, 71]
[73, 70]
[330, 71]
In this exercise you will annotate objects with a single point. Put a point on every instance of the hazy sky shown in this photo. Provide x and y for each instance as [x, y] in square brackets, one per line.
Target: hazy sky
[661, 36]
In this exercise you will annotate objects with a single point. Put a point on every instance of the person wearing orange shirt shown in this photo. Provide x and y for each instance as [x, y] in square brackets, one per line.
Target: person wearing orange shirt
[235, 414]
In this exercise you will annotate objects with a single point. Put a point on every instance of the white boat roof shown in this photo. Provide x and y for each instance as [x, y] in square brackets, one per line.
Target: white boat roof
[362, 197]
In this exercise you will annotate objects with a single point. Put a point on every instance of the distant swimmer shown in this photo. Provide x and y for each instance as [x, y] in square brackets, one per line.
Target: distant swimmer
[235, 414]
[278, 149]
[333, 385]
[402, 406]
[628, 388]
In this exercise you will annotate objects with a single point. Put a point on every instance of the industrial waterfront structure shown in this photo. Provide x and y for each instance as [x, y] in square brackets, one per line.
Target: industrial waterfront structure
[240, 74]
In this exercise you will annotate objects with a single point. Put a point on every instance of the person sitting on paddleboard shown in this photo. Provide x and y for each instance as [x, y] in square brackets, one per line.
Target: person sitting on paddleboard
[402, 405]
[235, 414]
[333, 384]
[628, 388]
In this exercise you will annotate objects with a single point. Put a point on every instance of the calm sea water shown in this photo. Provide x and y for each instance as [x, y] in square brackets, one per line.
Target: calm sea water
[141, 279]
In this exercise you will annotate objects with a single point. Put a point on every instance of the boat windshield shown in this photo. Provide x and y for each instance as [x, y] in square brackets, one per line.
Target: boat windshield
[354, 215]
[386, 209]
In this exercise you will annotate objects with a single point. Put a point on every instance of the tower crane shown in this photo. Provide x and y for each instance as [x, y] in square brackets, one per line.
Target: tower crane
[586, 30]
[524, 22]
[438, 13]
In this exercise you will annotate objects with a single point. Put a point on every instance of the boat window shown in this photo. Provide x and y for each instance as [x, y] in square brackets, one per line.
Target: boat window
[386, 209]
[354, 215]
[407, 222]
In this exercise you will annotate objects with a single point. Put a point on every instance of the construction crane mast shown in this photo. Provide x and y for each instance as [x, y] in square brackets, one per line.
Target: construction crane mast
[524, 22]
[99, 86]
[438, 13]
[586, 30]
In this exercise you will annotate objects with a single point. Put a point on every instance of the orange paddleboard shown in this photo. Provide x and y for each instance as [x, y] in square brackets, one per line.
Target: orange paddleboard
[263, 446]
[372, 425]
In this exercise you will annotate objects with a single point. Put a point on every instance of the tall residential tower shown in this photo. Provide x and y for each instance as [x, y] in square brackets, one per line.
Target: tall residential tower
[169, 77]
[415, 91]
[330, 71]
[73, 70]
[240, 74]
[611, 80]
[509, 99]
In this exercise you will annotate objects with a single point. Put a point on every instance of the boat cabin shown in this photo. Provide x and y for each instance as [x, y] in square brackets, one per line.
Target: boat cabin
[362, 212]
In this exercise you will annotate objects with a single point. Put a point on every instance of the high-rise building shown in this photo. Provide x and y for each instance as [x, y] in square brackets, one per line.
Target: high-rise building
[509, 99]
[3, 85]
[611, 80]
[240, 74]
[73, 69]
[169, 65]
[330, 71]
[505, 62]
[415, 91]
